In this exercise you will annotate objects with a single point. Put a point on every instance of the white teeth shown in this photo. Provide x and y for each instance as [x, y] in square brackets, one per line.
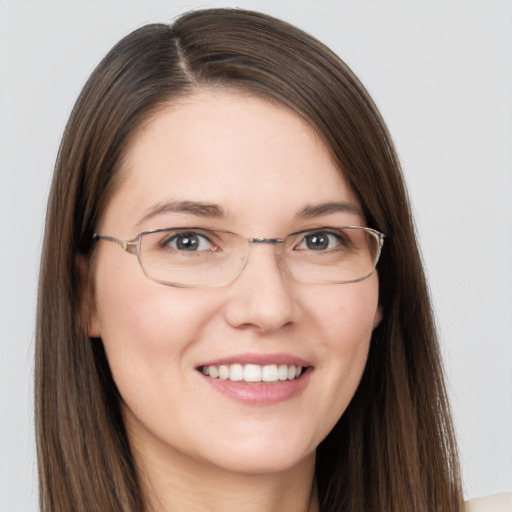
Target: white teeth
[253, 372]
[236, 372]
[282, 372]
[269, 373]
[223, 372]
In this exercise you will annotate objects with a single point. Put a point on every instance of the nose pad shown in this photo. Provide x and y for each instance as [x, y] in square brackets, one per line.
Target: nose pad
[261, 298]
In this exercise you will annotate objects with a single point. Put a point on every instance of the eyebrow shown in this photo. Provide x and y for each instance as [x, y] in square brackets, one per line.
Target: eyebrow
[192, 207]
[210, 210]
[317, 210]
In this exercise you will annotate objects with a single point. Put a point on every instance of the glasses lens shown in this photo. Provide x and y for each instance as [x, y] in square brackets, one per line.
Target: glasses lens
[332, 255]
[191, 257]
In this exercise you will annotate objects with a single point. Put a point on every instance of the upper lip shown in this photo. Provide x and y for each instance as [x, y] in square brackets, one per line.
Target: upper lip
[259, 359]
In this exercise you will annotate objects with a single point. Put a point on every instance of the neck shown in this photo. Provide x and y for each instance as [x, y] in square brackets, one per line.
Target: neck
[173, 482]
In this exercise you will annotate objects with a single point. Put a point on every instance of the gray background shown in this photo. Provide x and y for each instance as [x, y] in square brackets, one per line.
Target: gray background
[441, 74]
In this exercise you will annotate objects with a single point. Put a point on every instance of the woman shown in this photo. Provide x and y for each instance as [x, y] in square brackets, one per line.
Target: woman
[265, 342]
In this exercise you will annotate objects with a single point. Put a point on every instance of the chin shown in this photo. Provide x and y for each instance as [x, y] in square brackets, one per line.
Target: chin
[259, 454]
[263, 462]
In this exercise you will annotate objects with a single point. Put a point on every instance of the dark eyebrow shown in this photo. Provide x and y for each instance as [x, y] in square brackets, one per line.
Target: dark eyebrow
[201, 209]
[326, 208]
[192, 207]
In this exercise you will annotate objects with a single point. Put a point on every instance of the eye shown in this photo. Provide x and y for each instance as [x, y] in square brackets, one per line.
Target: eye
[319, 241]
[189, 241]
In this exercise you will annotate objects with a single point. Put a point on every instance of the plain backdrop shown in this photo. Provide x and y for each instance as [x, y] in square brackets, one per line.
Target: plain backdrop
[441, 73]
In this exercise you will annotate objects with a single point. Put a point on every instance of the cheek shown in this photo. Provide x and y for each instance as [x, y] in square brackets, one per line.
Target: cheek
[145, 327]
[348, 314]
[345, 319]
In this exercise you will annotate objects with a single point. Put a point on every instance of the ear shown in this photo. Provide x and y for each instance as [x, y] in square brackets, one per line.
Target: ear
[87, 306]
[378, 317]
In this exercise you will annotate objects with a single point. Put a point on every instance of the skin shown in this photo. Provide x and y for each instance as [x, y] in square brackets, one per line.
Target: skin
[196, 448]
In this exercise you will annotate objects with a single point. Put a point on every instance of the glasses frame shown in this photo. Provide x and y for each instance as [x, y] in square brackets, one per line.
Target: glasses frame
[133, 247]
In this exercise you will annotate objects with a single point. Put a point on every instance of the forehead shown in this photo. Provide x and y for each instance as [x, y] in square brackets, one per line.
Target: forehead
[247, 154]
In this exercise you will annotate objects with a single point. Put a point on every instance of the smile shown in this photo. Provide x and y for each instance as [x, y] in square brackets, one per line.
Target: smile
[253, 372]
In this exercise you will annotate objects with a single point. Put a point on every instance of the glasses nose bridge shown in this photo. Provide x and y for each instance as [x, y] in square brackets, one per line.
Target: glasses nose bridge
[271, 241]
[276, 243]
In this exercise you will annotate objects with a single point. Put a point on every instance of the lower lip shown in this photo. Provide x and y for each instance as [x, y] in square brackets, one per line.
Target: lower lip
[261, 393]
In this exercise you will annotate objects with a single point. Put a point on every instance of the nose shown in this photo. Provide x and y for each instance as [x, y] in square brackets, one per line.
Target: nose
[261, 298]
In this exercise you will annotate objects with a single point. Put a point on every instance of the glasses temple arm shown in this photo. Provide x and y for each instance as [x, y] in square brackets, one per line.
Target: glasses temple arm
[129, 247]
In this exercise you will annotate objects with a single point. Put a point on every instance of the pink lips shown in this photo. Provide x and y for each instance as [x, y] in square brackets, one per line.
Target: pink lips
[260, 393]
[261, 359]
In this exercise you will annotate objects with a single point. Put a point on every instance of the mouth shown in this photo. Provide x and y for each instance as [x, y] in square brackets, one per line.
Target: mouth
[258, 379]
[253, 373]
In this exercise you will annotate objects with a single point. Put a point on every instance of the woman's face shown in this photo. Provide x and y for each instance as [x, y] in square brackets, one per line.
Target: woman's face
[263, 173]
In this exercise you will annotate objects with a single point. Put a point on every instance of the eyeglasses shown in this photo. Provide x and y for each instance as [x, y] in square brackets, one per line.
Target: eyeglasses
[201, 257]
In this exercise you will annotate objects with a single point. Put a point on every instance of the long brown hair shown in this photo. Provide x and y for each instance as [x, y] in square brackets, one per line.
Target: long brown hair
[394, 448]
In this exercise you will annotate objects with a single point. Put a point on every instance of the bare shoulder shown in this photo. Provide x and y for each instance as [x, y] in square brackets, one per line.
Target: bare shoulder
[494, 503]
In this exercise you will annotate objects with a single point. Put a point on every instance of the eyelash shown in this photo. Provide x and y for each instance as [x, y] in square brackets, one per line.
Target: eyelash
[174, 237]
[340, 240]
[207, 235]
